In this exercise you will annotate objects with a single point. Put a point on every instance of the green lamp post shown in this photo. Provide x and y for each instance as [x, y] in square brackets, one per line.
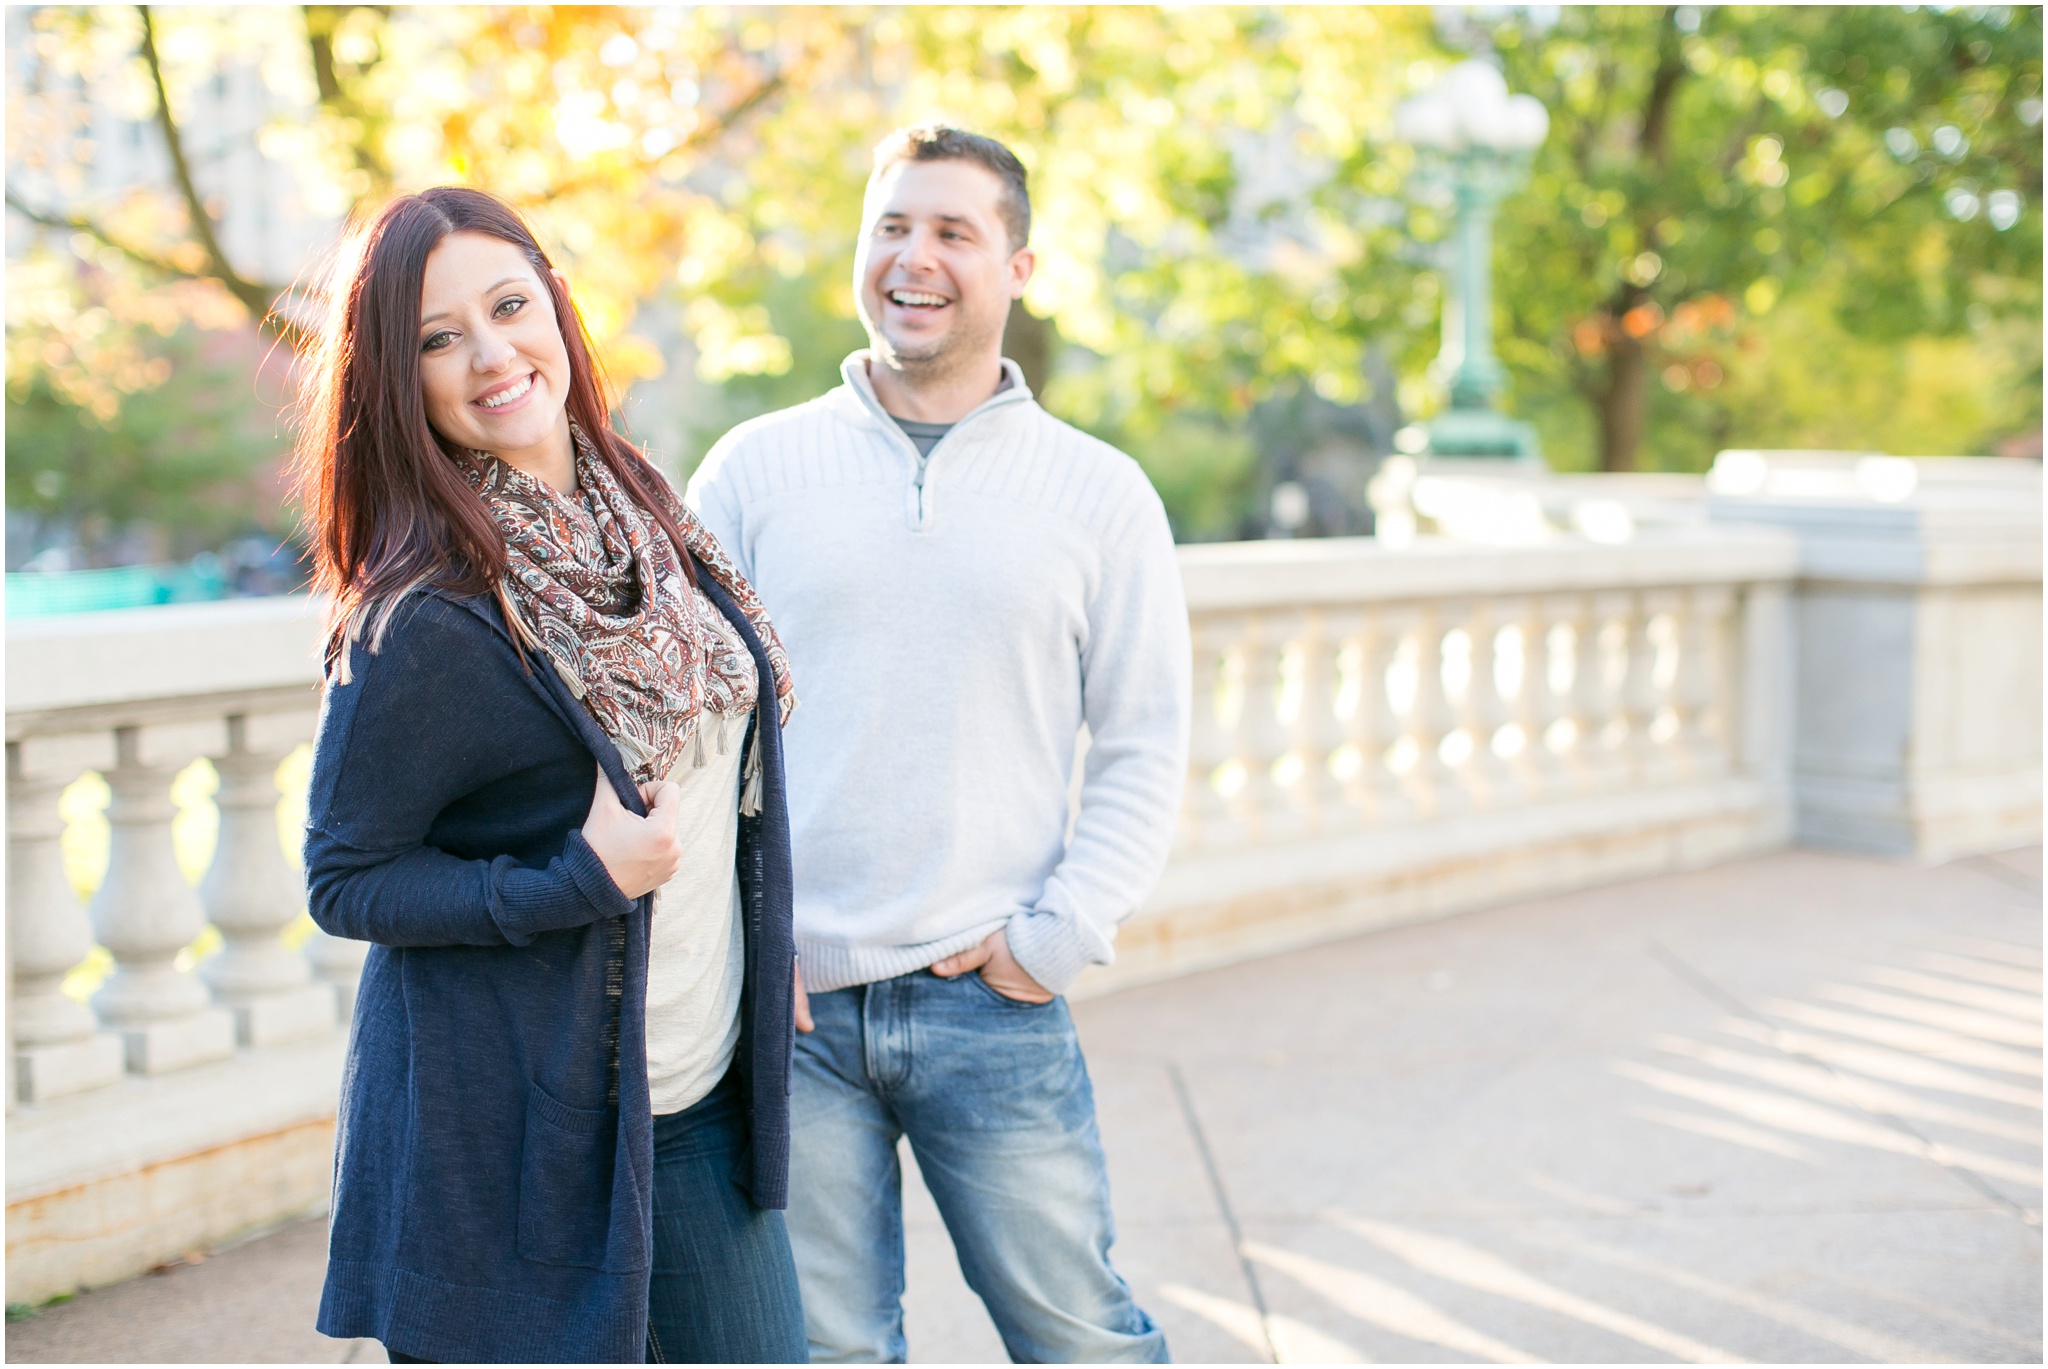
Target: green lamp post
[1478, 138]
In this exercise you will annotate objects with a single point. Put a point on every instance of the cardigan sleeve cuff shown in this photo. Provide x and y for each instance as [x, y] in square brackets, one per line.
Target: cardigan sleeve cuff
[592, 880]
[1046, 945]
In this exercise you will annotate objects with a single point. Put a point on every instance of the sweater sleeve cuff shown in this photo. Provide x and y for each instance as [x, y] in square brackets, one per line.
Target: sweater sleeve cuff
[1046, 946]
[591, 878]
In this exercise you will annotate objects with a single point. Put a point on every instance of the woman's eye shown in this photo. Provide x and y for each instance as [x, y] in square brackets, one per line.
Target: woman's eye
[508, 307]
[437, 341]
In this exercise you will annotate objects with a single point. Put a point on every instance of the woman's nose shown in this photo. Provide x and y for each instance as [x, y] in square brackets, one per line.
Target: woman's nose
[492, 354]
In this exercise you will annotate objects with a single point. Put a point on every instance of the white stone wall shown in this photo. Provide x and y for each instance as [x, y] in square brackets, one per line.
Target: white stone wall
[1919, 647]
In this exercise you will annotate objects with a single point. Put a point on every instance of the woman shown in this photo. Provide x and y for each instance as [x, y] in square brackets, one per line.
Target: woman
[564, 1122]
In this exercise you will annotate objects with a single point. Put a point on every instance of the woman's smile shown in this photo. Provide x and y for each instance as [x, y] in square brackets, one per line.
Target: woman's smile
[511, 394]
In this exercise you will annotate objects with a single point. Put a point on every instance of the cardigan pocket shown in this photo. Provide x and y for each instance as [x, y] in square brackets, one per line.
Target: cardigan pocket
[573, 1208]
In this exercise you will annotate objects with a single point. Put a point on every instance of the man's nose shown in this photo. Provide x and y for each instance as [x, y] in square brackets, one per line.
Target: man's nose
[917, 254]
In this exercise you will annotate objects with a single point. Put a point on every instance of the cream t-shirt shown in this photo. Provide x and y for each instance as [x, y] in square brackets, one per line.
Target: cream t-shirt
[696, 946]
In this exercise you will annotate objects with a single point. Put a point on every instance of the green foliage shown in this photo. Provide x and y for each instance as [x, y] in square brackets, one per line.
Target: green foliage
[1217, 206]
[1814, 382]
[1748, 225]
[815, 315]
[23, 1311]
[1205, 472]
[191, 461]
[1705, 165]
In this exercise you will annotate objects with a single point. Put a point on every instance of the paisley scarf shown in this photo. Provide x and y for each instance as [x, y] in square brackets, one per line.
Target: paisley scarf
[600, 591]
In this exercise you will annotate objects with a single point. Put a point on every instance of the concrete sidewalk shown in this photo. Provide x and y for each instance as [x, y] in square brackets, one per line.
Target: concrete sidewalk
[1784, 1109]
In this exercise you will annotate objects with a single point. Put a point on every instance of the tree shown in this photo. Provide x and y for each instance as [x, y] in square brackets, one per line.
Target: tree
[191, 464]
[617, 131]
[1706, 165]
[1224, 221]
[614, 129]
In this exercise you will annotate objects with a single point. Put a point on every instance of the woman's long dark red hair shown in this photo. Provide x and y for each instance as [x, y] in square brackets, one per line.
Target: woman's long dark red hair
[385, 508]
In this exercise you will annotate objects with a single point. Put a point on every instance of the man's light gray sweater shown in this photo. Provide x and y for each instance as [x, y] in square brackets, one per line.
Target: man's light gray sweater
[951, 623]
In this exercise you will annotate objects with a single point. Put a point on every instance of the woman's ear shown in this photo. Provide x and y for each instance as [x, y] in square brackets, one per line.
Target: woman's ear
[560, 279]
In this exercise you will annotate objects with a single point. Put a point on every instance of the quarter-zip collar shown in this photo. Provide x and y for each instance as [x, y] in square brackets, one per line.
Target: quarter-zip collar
[854, 371]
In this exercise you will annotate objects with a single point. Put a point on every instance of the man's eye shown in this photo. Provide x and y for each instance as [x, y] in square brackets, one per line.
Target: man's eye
[508, 307]
[437, 341]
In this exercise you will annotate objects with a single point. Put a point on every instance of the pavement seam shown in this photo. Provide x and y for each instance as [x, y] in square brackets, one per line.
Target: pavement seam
[1229, 1214]
[1701, 984]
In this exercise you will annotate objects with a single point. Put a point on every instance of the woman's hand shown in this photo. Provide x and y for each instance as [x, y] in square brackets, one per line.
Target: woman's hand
[640, 854]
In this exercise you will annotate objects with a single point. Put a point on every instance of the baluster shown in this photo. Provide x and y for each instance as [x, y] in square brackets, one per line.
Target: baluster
[145, 914]
[57, 1046]
[1565, 640]
[1437, 786]
[1633, 697]
[1399, 650]
[1456, 748]
[1481, 709]
[1317, 731]
[1578, 722]
[1524, 687]
[1264, 744]
[1703, 688]
[1602, 666]
[1205, 814]
[1371, 724]
[338, 963]
[252, 894]
[1240, 825]
[1663, 760]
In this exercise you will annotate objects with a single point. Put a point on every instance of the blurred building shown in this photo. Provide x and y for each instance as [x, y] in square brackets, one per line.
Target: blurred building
[89, 147]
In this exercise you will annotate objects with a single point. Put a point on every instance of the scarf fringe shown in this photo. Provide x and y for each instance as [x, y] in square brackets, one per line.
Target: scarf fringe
[633, 753]
[576, 686]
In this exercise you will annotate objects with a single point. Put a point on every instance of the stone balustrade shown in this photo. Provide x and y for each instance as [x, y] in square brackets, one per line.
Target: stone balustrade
[1380, 733]
[183, 1102]
[138, 695]
[1384, 733]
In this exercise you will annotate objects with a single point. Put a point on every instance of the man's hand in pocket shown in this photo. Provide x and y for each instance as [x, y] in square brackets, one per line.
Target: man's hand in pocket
[999, 969]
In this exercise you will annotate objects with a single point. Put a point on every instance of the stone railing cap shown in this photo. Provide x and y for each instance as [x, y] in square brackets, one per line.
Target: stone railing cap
[176, 651]
[1332, 570]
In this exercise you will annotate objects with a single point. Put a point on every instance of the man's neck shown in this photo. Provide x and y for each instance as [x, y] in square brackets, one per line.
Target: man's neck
[935, 397]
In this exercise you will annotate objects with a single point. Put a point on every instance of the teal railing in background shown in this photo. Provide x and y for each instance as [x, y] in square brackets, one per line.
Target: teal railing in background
[40, 594]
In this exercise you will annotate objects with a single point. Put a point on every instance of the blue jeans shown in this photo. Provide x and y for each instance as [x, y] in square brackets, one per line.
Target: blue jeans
[995, 1099]
[724, 1288]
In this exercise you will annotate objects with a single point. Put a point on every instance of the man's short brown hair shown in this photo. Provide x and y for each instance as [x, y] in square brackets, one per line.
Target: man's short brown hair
[941, 143]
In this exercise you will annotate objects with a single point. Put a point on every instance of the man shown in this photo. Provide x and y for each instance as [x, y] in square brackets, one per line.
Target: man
[962, 581]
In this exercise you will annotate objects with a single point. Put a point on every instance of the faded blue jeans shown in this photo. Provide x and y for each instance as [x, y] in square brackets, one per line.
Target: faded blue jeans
[995, 1099]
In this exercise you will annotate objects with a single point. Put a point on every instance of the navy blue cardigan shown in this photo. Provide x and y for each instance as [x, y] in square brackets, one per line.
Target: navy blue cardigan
[494, 1152]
